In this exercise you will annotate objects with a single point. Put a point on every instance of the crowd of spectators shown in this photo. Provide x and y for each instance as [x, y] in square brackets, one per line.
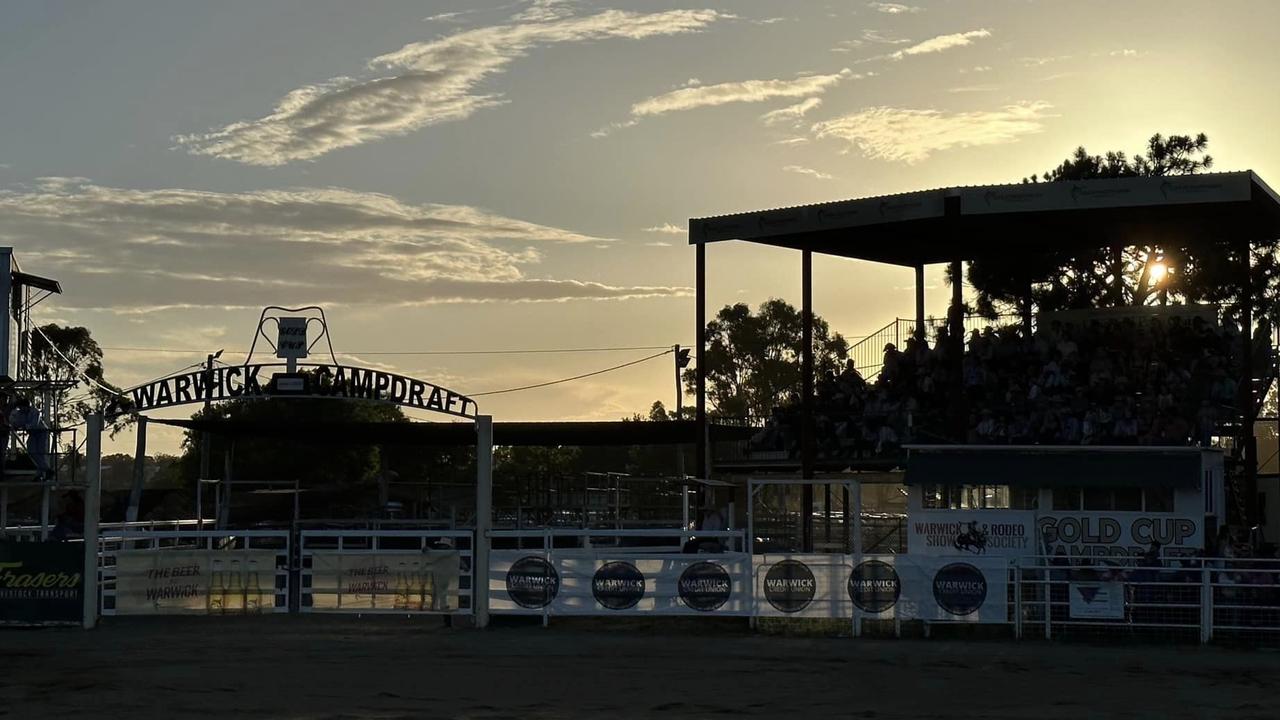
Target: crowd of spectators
[1167, 381]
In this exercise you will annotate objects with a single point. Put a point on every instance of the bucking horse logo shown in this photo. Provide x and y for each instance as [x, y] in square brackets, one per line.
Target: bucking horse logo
[972, 540]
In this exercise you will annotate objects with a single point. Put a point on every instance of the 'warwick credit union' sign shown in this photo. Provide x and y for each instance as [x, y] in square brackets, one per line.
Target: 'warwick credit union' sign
[267, 380]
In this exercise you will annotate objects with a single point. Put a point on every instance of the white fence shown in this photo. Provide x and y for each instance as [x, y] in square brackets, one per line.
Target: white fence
[420, 571]
[216, 572]
[618, 572]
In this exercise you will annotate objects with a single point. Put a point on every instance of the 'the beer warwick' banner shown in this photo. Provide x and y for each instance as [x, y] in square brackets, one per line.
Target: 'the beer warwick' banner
[229, 382]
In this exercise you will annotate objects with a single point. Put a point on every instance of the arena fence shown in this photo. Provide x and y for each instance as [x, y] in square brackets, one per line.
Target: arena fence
[194, 572]
[415, 572]
[618, 572]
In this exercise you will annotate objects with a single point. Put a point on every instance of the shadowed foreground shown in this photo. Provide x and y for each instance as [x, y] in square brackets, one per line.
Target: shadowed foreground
[291, 667]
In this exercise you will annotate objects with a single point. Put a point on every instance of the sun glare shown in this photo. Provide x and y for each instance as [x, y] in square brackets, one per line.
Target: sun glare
[1158, 272]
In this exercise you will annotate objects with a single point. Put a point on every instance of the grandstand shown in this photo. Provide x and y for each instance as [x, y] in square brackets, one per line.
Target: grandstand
[1144, 377]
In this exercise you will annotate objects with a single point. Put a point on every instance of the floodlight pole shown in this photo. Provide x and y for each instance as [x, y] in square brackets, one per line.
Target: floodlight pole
[484, 520]
[700, 292]
[920, 331]
[806, 402]
[92, 491]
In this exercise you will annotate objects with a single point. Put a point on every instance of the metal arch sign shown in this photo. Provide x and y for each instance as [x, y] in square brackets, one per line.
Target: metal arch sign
[265, 380]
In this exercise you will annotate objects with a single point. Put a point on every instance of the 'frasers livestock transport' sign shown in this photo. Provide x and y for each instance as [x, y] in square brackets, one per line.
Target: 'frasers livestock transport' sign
[256, 381]
[1005, 533]
[1119, 533]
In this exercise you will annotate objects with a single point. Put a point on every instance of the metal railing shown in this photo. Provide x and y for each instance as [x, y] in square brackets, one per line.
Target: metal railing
[401, 572]
[219, 582]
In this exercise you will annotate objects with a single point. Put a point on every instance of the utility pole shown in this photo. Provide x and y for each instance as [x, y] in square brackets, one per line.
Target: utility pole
[682, 361]
[205, 437]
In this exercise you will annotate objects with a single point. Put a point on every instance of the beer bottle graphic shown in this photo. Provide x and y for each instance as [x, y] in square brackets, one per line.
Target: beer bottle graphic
[217, 600]
[402, 588]
[253, 588]
[235, 589]
[427, 588]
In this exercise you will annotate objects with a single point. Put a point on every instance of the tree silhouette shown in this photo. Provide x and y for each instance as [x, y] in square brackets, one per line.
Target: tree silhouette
[752, 360]
[1113, 277]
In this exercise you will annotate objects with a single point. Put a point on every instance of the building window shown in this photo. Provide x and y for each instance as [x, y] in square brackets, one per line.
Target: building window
[978, 497]
[1158, 499]
[1066, 498]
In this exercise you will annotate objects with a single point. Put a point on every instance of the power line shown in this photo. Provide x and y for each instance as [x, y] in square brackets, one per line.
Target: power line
[575, 377]
[525, 351]
[73, 365]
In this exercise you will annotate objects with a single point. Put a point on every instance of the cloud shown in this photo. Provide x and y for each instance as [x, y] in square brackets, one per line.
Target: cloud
[1127, 52]
[802, 170]
[747, 91]
[868, 36]
[942, 43]
[791, 113]
[667, 228]
[1042, 60]
[973, 88]
[792, 141]
[658, 243]
[421, 84]
[142, 251]
[975, 69]
[909, 135]
[894, 8]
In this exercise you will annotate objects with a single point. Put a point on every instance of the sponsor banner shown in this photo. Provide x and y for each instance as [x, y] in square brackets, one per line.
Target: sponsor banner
[1103, 600]
[215, 582]
[1003, 533]
[41, 583]
[933, 588]
[1121, 192]
[589, 583]
[813, 586]
[1104, 534]
[411, 582]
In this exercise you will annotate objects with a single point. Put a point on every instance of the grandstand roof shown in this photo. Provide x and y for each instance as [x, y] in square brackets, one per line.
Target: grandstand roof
[963, 223]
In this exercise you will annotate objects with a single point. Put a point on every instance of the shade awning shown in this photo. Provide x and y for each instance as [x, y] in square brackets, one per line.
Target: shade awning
[1055, 467]
[966, 223]
[536, 434]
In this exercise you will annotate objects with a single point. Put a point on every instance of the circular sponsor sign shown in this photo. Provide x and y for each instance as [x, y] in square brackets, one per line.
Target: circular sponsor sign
[960, 588]
[789, 586]
[532, 582]
[705, 586]
[618, 585]
[874, 586]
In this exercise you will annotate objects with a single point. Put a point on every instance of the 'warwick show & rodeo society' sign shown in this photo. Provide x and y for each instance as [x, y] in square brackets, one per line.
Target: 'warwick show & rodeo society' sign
[262, 380]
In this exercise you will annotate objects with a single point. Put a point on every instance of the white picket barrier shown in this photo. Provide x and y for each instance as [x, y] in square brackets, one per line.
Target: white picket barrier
[193, 572]
[397, 572]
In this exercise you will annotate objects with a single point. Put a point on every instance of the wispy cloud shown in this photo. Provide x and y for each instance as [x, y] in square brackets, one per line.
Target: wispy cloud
[973, 88]
[873, 37]
[792, 141]
[746, 91]
[802, 170]
[942, 43]
[975, 69]
[667, 228]
[910, 135]
[1041, 60]
[894, 8]
[1127, 53]
[791, 113]
[150, 250]
[694, 96]
[658, 243]
[421, 84]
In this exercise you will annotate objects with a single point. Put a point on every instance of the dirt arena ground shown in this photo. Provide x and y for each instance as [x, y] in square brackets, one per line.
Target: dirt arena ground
[312, 667]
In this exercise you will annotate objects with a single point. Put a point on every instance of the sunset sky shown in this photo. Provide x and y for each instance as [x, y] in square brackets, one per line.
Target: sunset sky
[462, 176]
